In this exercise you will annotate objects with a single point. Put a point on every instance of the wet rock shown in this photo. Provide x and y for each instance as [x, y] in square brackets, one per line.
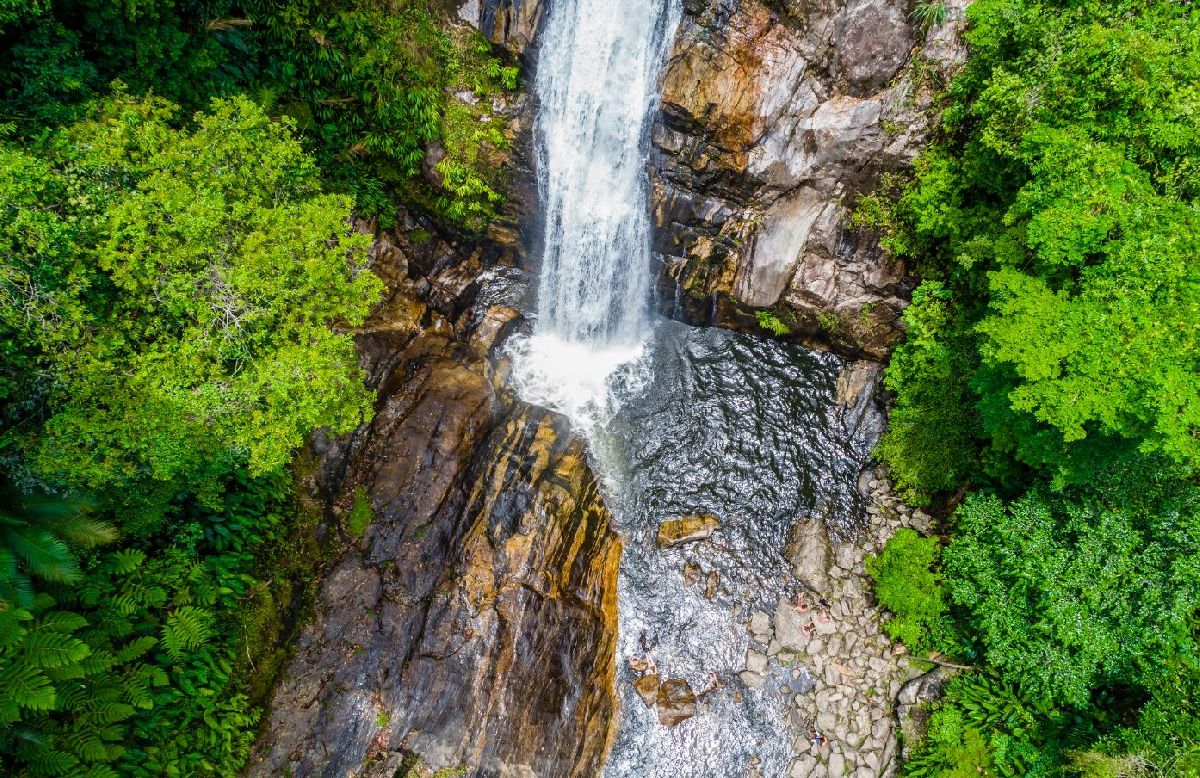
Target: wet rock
[791, 628]
[711, 583]
[676, 702]
[691, 573]
[752, 679]
[809, 552]
[486, 579]
[493, 327]
[647, 688]
[689, 529]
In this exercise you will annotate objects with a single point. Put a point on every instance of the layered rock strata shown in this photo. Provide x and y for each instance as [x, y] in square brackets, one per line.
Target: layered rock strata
[776, 118]
[474, 623]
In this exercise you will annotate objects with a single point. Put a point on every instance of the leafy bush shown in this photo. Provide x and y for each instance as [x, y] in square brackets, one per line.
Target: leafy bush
[930, 444]
[907, 585]
[984, 726]
[208, 266]
[167, 305]
[372, 87]
[771, 323]
[1056, 215]
[1051, 360]
[126, 672]
[929, 14]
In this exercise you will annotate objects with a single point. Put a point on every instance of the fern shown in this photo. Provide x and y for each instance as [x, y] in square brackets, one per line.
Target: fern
[12, 622]
[186, 629]
[135, 649]
[45, 760]
[23, 686]
[125, 561]
[49, 649]
[36, 533]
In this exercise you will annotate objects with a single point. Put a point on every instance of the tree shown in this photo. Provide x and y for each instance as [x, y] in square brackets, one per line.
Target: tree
[1069, 592]
[178, 292]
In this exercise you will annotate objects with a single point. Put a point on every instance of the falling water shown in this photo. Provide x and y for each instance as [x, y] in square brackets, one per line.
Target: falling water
[679, 421]
[597, 81]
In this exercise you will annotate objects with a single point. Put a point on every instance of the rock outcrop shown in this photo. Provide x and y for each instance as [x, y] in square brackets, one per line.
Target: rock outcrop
[512, 24]
[474, 624]
[776, 117]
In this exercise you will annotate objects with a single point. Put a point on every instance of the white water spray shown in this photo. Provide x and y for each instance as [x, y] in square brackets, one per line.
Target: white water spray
[597, 81]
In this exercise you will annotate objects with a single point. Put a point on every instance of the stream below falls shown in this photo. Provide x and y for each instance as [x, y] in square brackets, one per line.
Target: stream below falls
[714, 422]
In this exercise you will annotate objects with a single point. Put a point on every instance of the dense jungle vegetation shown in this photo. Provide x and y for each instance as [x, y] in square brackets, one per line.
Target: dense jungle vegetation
[178, 282]
[1052, 366]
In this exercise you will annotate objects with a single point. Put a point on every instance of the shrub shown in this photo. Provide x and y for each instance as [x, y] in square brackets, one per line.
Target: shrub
[768, 321]
[907, 585]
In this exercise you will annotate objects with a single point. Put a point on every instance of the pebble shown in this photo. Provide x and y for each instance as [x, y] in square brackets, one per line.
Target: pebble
[847, 675]
[751, 679]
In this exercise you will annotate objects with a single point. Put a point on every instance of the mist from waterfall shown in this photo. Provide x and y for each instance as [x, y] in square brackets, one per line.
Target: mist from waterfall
[597, 83]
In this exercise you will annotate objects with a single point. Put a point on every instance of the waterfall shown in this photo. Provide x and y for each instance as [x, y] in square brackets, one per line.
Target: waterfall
[597, 84]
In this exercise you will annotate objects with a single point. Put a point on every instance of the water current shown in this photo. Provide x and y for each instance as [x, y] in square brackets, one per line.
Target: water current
[680, 421]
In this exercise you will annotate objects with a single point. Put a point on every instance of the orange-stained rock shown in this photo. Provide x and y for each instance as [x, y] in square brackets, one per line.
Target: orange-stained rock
[676, 702]
[475, 624]
[676, 532]
[647, 688]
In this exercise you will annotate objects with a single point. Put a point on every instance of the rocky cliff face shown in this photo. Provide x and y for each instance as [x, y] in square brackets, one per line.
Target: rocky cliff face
[512, 24]
[776, 117]
[474, 623]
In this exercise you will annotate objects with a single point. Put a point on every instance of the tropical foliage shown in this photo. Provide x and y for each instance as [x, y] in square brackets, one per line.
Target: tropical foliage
[1051, 364]
[371, 86]
[180, 278]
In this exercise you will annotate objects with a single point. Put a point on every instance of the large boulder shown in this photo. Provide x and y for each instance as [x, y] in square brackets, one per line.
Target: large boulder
[776, 118]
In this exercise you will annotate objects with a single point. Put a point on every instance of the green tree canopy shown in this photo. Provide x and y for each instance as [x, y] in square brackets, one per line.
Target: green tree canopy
[1071, 592]
[176, 292]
